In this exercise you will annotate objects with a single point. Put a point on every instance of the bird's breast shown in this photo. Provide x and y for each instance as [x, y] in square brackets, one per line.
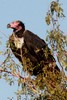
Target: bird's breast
[19, 42]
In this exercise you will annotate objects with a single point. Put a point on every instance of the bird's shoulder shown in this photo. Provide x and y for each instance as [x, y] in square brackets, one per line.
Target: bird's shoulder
[29, 34]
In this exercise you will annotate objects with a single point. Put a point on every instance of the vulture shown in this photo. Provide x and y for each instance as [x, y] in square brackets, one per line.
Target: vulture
[32, 51]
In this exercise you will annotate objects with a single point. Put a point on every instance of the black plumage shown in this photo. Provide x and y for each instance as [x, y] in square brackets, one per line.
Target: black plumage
[31, 50]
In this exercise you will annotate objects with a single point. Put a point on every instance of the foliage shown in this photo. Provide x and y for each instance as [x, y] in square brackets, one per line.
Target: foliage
[46, 85]
[58, 43]
[56, 37]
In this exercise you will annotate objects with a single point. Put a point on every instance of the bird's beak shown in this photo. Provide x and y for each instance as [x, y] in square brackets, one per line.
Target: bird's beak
[8, 26]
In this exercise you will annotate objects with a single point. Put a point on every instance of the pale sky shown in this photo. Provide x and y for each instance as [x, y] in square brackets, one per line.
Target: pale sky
[32, 13]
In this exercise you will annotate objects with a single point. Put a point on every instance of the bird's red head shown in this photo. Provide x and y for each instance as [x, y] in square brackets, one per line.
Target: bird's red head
[16, 25]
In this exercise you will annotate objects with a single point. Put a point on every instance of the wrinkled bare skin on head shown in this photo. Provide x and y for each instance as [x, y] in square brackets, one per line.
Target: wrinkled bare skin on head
[14, 25]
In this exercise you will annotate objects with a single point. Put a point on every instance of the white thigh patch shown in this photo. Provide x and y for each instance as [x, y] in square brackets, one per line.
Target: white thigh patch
[19, 42]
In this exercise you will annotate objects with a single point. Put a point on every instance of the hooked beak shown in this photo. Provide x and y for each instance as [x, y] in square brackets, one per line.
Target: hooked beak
[8, 25]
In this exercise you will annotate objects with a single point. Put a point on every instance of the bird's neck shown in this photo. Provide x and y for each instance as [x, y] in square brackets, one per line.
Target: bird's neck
[19, 33]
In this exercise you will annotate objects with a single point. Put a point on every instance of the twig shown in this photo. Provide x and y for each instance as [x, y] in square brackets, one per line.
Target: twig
[24, 80]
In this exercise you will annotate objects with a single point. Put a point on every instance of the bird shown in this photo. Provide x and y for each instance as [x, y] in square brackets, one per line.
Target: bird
[32, 51]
